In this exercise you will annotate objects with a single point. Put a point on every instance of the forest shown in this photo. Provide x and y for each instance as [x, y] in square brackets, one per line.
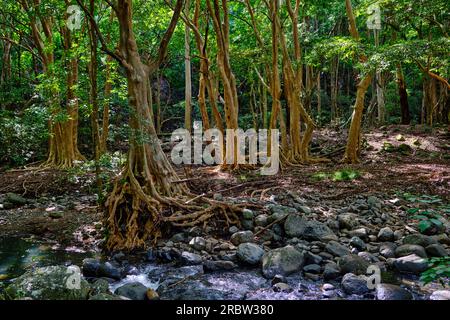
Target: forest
[224, 150]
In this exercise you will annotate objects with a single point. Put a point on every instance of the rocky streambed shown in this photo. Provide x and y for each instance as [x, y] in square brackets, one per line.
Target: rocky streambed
[361, 247]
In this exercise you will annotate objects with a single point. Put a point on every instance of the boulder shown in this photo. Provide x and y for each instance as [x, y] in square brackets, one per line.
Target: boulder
[407, 249]
[190, 259]
[50, 283]
[319, 231]
[133, 291]
[385, 234]
[241, 237]
[295, 225]
[386, 291]
[283, 261]
[337, 249]
[331, 271]
[411, 264]
[353, 264]
[250, 253]
[353, 284]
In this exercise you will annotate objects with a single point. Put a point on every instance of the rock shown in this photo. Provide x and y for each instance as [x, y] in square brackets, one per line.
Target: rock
[436, 250]
[198, 243]
[331, 271]
[109, 270]
[411, 264]
[247, 214]
[280, 211]
[337, 249]
[247, 224]
[190, 259]
[386, 291]
[419, 239]
[250, 253]
[305, 209]
[385, 234]
[358, 243]
[407, 249]
[353, 264]
[277, 279]
[311, 258]
[316, 230]
[91, 267]
[241, 237]
[15, 199]
[440, 295]
[282, 287]
[100, 286]
[374, 202]
[368, 257]
[233, 229]
[105, 297]
[441, 238]
[261, 220]
[219, 265]
[347, 220]
[312, 268]
[360, 233]
[387, 250]
[133, 291]
[152, 295]
[353, 284]
[295, 225]
[327, 287]
[50, 283]
[282, 261]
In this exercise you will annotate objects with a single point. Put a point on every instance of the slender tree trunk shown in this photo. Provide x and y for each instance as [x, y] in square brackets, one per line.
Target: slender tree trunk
[403, 94]
[188, 78]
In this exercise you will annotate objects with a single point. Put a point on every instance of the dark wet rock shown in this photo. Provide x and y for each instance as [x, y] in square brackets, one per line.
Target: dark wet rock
[386, 291]
[369, 257]
[312, 268]
[316, 230]
[442, 238]
[247, 214]
[133, 291]
[50, 283]
[436, 250]
[411, 264]
[100, 286]
[168, 254]
[189, 258]
[150, 255]
[173, 275]
[282, 261]
[407, 249]
[241, 237]
[311, 258]
[385, 234]
[198, 243]
[96, 268]
[353, 264]
[419, 239]
[247, 224]
[387, 249]
[337, 249]
[295, 225]
[278, 278]
[358, 243]
[331, 271]
[353, 284]
[280, 211]
[219, 265]
[179, 237]
[250, 253]
[261, 220]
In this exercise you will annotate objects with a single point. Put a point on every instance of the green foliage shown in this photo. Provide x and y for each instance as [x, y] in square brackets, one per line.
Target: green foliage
[24, 136]
[439, 271]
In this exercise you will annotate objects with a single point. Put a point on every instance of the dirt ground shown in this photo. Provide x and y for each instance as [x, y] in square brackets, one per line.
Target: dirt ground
[424, 168]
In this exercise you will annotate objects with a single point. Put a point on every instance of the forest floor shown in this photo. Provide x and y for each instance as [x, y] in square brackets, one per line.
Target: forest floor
[400, 165]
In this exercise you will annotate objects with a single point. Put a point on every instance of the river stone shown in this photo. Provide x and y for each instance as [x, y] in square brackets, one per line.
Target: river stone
[109, 270]
[407, 249]
[218, 265]
[312, 268]
[311, 258]
[241, 237]
[347, 221]
[419, 239]
[440, 295]
[353, 264]
[360, 233]
[386, 291]
[358, 243]
[282, 261]
[295, 225]
[198, 243]
[436, 250]
[385, 234]
[133, 291]
[353, 284]
[331, 271]
[250, 253]
[189, 258]
[261, 220]
[100, 286]
[316, 230]
[387, 249]
[337, 249]
[50, 283]
[411, 264]
[15, 199]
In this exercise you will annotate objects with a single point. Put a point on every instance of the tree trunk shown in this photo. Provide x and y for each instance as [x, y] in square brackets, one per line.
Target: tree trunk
[188, 79]
[403, 94]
